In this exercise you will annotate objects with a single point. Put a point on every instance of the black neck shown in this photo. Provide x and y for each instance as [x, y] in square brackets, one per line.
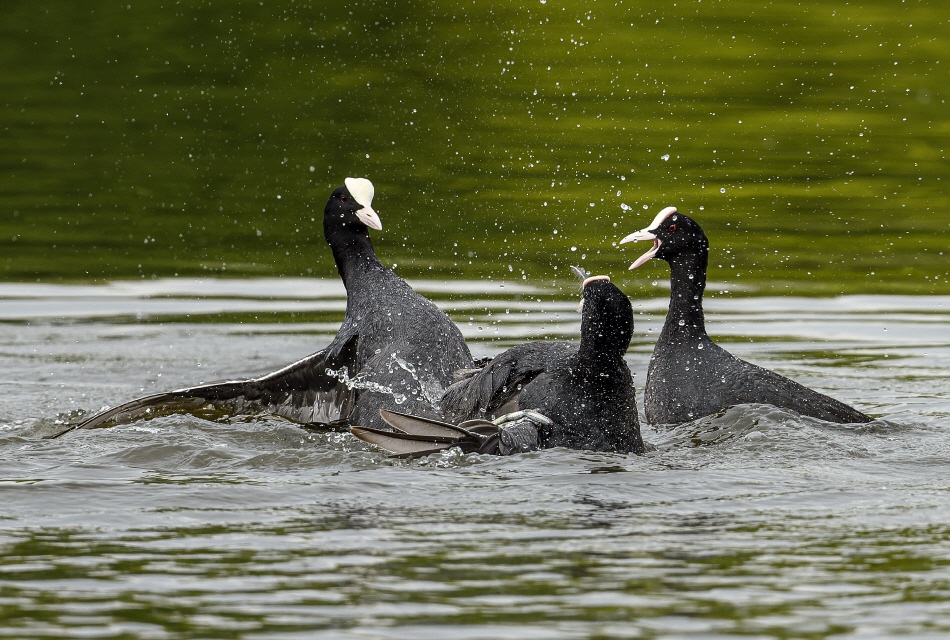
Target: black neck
[599, 352]
[687, 283]
[353, 253]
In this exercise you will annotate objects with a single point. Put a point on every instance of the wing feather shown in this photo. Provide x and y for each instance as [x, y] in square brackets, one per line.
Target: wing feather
[499, 383]
[303, 392]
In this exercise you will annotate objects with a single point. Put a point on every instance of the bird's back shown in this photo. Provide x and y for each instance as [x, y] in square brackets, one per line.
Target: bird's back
[408, 349]
[594, 412]
[689, 381]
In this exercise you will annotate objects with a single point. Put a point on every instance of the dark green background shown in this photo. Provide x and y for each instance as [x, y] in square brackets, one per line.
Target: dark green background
[159, 138]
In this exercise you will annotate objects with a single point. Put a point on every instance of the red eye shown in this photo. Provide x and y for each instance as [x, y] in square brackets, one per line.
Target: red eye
[343, 199]
[671, 228]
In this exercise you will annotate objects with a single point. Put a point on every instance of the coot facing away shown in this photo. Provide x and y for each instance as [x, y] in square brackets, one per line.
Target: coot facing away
[584, 393]
[689, 375]
[394, 347]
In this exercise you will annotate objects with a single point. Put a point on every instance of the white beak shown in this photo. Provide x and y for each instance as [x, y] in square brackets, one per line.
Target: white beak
[640, 236]
[580, 307]
[368, 217]
[646, 234]
[587, 281]
[362, 191]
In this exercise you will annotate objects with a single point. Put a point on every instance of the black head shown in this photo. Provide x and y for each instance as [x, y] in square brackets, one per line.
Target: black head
[350, 207]
[607, 316]
[673, 234]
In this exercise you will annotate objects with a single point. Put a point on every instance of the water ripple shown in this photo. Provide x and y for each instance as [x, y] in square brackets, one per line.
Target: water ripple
[754, 521]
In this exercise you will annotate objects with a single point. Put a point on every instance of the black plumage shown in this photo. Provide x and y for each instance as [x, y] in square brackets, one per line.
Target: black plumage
[395, 349]
[689, 375]
[584, 390]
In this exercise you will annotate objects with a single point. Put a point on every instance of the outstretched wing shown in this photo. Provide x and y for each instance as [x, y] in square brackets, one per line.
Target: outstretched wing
[311, 390]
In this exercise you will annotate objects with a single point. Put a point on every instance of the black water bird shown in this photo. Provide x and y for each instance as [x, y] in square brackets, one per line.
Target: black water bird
[583, 392]
[395, 349]
[689, 375]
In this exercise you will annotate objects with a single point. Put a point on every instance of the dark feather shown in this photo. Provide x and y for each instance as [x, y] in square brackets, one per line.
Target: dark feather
[303, 392]
[499, 383]
[425, 437]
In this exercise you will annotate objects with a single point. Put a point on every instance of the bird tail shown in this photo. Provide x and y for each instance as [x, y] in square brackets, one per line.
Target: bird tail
[416, 437]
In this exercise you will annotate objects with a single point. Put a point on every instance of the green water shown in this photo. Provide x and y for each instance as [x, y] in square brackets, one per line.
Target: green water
[155, 138]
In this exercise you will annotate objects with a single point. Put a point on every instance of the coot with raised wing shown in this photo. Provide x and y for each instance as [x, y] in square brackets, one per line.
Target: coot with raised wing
[394, 349]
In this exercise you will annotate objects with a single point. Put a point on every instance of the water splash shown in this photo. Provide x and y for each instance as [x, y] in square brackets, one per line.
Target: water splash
[362, 381]
[427, 389]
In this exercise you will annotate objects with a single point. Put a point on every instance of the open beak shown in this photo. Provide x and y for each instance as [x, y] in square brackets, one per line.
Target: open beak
[368, 217]
[646, 234]
[640, 236]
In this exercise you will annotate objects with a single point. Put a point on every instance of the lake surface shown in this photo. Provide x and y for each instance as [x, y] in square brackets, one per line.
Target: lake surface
[163, 170]
[753, 523]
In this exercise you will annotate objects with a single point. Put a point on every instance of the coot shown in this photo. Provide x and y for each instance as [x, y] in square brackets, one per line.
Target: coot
[550, 394]
[689, 375]
[394, 347]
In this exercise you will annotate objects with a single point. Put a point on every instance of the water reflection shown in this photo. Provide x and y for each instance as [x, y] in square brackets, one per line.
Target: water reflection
[503, 140]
